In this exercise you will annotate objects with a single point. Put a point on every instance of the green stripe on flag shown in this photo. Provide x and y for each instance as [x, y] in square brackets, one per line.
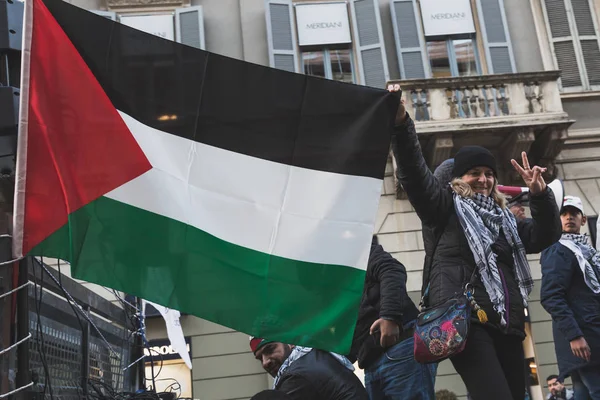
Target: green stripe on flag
[170, 263]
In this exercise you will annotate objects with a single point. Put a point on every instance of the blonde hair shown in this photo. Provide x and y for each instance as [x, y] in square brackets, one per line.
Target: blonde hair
[463, 189]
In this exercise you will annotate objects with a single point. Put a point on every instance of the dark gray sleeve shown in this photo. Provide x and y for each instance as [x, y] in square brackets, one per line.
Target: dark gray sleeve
[298, 388]
[544, 228]
[391, 275]
[430, 200]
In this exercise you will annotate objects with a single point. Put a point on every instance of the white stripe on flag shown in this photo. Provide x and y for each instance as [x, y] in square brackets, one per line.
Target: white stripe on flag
[292, 212]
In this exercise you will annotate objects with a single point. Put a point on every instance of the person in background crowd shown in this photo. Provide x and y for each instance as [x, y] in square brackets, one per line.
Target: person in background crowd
[571, 295]
[515, 205]
[557, 390]
[445, 395]
[478, 233]
[383, 340]
[518, 211]
[304, 373]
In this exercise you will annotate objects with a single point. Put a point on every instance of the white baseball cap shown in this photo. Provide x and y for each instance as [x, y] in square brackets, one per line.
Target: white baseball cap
[573, 201]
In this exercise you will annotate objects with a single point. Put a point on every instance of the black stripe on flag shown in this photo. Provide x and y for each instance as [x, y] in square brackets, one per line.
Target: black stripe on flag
[234, 105]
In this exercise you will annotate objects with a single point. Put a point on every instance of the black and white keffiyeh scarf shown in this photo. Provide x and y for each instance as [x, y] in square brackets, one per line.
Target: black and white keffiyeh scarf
[481, 219]
[299, 352]
[587, 257]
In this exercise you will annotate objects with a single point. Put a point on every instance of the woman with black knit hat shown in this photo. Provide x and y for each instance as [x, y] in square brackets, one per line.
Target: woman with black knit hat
[470, 235]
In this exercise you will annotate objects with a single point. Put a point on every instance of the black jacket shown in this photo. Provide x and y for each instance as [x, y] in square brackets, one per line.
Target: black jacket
[384, 296]
[574, 308]
[453, 261]
[319, 376]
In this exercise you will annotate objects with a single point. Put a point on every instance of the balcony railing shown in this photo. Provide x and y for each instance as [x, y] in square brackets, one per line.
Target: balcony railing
[500, 95]
[506, 113]
[154, 4]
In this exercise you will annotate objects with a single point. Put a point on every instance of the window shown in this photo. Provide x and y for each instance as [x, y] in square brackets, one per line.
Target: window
[453, 57]
[573, 29]
[330, 64]
[185, 25]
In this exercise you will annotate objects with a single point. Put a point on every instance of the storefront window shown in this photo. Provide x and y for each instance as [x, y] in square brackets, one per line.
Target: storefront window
[453, 57]
[329, 64]
[165, 371]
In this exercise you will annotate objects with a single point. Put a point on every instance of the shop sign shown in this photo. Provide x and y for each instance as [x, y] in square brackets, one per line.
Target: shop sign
[444, 17]
[159, 25]
[322, 24]
[161, 349]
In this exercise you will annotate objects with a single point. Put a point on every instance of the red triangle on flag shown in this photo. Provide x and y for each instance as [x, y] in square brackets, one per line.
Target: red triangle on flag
[77, 146]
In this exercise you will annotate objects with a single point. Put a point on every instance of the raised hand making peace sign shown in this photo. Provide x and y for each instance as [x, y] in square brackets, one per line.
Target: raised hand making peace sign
[531, 176]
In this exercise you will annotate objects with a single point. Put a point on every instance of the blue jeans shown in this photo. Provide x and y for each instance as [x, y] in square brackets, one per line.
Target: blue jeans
[397, 376]
[586, 383]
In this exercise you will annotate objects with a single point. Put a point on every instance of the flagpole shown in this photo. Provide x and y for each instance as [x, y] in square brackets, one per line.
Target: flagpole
[24, 378]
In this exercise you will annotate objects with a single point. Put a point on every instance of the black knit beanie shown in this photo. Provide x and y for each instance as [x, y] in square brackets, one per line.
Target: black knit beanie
[470, 157]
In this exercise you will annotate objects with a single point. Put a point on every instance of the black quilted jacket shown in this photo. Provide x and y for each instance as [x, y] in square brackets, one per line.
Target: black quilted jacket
[384, 296]
[319, 376]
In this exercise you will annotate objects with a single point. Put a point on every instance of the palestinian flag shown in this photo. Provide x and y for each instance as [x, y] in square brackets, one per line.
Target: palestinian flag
[238, 193]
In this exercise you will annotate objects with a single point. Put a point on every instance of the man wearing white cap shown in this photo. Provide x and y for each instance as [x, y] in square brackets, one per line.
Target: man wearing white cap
[571, 294]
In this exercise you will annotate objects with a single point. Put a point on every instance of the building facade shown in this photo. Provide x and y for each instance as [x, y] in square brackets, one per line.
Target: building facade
[511, 75]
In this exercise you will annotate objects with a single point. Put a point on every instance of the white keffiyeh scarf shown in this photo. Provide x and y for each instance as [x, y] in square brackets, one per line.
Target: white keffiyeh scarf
[587, 257]
[299, 352]
[481, 219]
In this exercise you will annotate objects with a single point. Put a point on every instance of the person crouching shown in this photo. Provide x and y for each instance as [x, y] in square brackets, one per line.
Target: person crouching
[304, 373]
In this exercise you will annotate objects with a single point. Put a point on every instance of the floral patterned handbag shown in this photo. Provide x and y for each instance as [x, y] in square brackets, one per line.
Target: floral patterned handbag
[441, 331]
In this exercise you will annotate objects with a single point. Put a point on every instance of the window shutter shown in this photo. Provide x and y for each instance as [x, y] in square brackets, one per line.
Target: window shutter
[368, 37]
[496, 38]
[567, 63]
[189, 26]
[583, 17]
[106, 14]
[410, 45]
[563, 42]
[281, 35]
[591, 57]
[587, 30]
